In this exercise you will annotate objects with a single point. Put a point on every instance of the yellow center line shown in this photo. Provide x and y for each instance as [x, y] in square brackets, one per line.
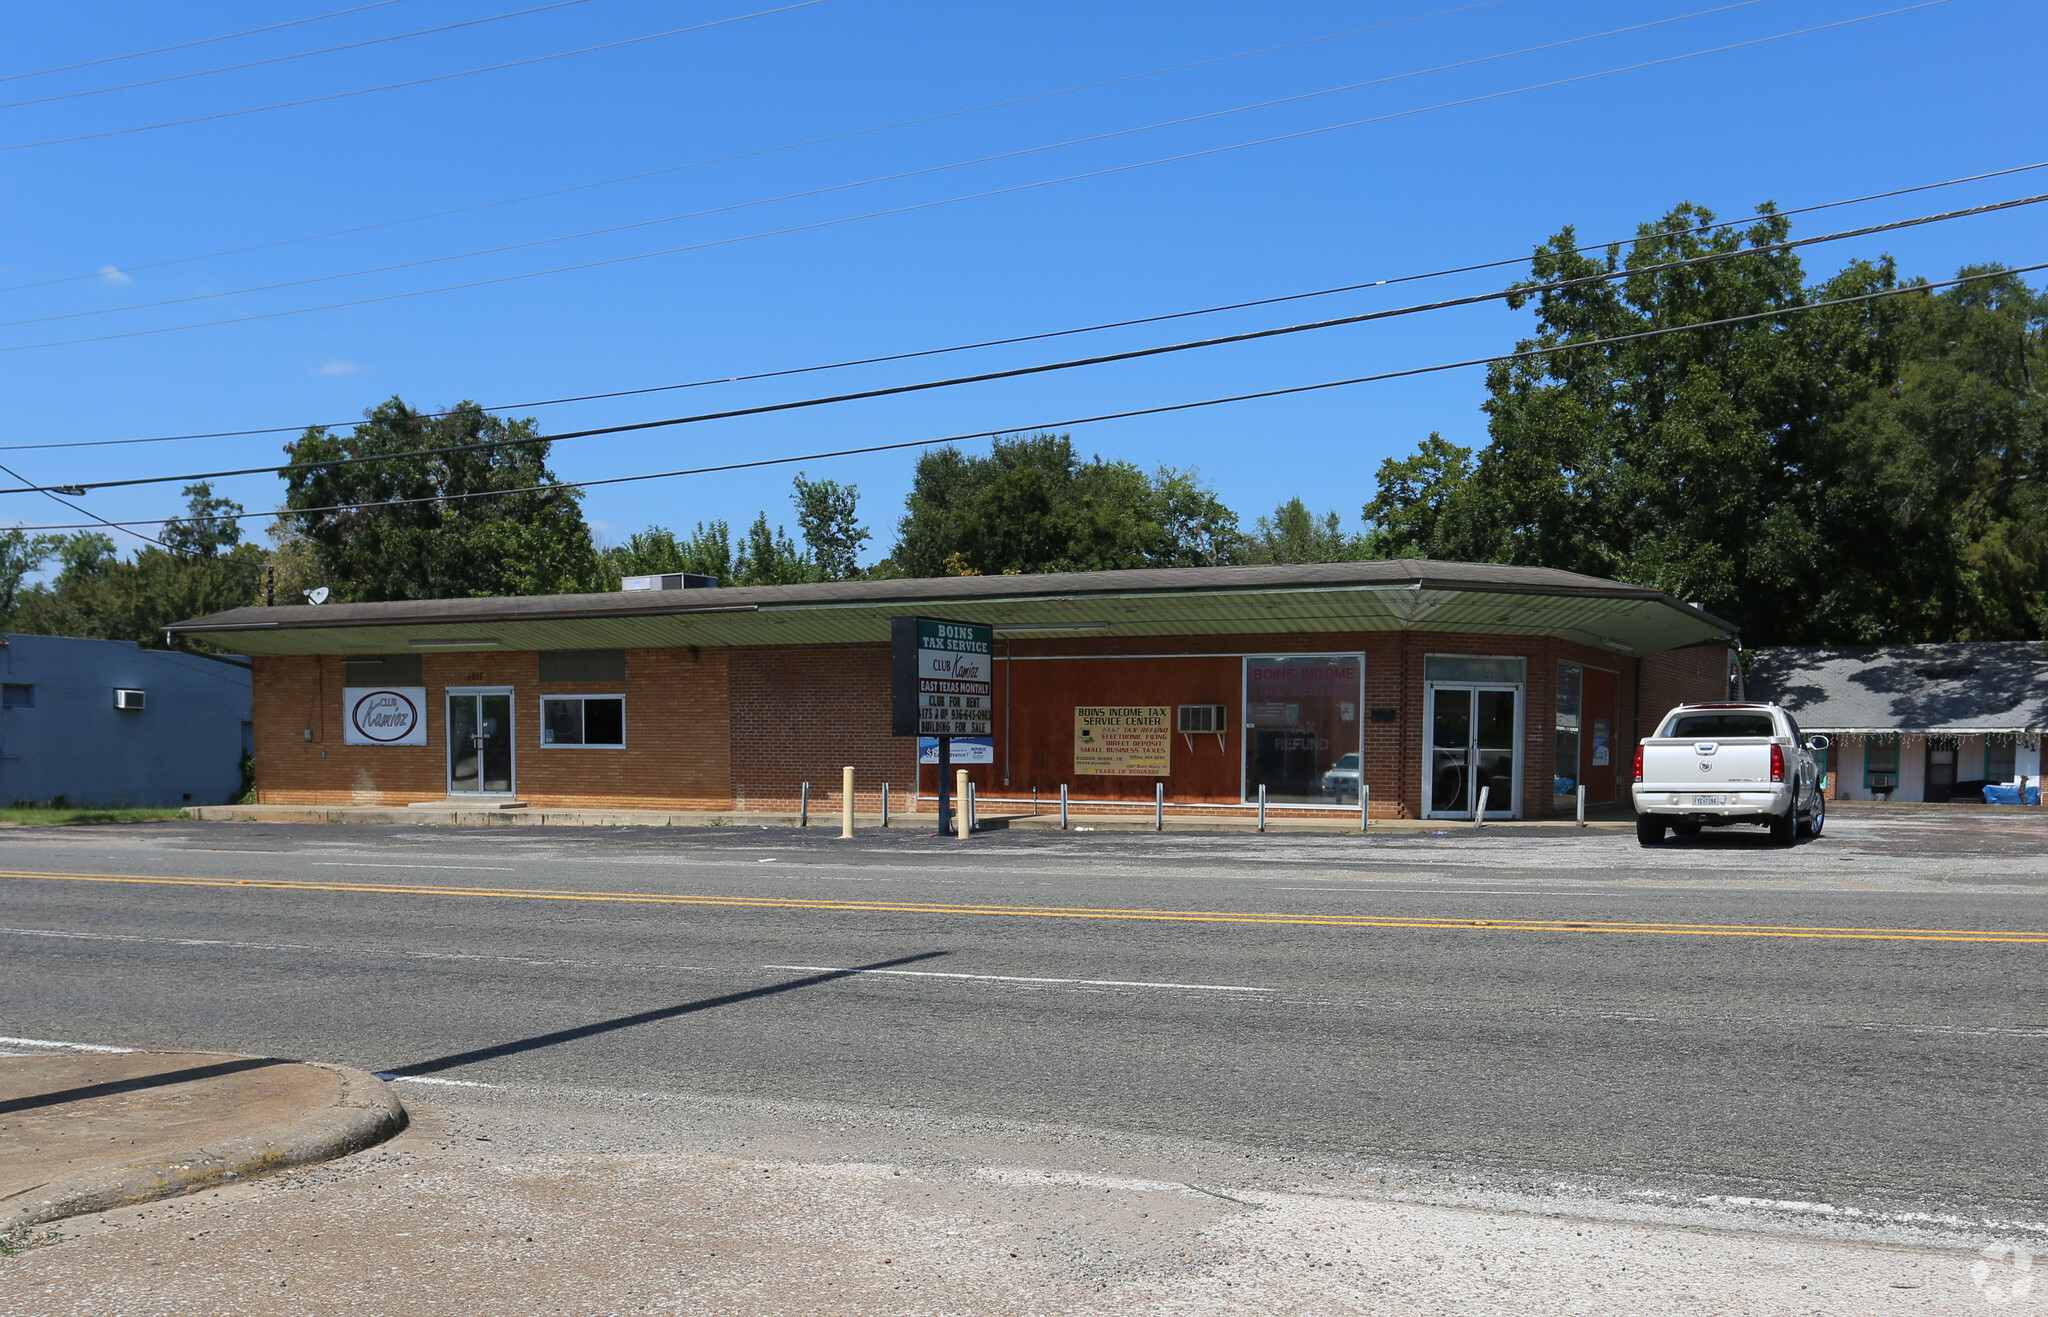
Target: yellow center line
[1073, 912]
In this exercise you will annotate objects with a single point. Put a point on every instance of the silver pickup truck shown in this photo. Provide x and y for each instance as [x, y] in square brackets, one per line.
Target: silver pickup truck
[1710, 765]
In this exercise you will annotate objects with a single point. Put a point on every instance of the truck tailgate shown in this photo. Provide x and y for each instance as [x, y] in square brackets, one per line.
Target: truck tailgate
[1670, 765]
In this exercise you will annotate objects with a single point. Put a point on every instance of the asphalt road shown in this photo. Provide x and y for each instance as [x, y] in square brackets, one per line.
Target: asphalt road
[1859, 1020]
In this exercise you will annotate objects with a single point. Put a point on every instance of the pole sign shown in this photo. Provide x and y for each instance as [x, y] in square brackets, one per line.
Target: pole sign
[941, 678]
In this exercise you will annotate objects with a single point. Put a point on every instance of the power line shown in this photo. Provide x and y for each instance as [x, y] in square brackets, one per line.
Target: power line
[749, 155]
[410, 82]
[1086, 329]
[898, 176]
[285, 59]
[1524, 355]
[202, 41]
[1525, 290]
[946, 201]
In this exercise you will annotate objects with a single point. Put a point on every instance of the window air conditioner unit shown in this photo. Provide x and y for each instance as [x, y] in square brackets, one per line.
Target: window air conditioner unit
[1204, 718]
[127, 699]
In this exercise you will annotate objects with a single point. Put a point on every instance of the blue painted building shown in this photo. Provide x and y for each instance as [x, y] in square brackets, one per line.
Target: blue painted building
[109, 723]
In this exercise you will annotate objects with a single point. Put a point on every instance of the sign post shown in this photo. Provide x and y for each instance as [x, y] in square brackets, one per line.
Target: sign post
[942, 685]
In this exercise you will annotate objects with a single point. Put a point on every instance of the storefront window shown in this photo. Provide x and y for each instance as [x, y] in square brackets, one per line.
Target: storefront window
[1571, 687]
[1302, 716]
[2001, 757]
[596, 720]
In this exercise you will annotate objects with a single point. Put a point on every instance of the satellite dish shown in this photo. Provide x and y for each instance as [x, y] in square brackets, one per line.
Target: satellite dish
[318, 596]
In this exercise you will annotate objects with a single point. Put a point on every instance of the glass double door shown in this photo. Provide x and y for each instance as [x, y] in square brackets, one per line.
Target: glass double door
[1472, 744]
[479, 743]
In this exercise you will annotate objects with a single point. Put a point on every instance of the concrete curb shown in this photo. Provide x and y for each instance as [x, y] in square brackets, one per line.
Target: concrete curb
[823, 821]
[365, 1114]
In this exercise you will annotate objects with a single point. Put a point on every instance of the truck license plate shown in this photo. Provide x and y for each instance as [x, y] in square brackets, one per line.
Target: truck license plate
[1713, 800]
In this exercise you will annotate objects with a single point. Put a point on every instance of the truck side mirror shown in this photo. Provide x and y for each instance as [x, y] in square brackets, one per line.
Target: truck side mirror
[1816, 742]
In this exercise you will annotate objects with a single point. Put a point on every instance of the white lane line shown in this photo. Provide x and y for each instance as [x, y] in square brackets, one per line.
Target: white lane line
[1444, 891]
[389, 1078]
[168, 941]
[365, 864]
[62, 1047]
[1013, 978]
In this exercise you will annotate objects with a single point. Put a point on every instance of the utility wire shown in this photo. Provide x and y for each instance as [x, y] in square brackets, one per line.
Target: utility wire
[409, 82]
[896, 177]
[748, 155]
[1082, 329]
[946, 201]
[1524, 355]
[202, 41]
[88, 512]
[285, 59]
[1518, 291]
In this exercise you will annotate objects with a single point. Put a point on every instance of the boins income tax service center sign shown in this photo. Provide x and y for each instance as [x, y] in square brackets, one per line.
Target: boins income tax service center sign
[941, 678]
[384, 715]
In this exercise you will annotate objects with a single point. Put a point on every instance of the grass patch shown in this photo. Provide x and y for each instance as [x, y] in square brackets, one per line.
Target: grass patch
[31, 816]
[18, 1239]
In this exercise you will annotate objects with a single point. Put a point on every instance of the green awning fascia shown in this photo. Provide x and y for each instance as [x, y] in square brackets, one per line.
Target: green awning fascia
[1626, 623]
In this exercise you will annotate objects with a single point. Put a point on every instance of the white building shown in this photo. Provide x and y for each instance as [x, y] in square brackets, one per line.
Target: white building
[1915, 722]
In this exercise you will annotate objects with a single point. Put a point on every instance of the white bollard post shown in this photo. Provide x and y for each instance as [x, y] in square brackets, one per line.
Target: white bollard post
[1479, 809]
[1364, 805]
[885, 803]
[803, 807]
[1262, 807]
[846, 802]
[1582, 804]
[1063, 807]
[1159, 807]
[960, 810]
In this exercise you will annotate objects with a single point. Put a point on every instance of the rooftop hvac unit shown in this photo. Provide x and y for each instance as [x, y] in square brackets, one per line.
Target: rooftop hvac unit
[669, 581]
[127, 699]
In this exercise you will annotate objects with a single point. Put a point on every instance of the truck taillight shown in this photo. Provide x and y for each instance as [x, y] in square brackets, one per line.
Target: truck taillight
[1639, 763]
[1777, 763]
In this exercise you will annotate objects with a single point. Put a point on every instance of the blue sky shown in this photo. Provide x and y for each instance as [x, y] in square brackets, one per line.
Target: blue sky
[1901, 99]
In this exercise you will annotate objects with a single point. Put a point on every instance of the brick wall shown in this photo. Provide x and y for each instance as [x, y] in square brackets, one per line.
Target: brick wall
[801, 715]
[676, 735]
[742, 729]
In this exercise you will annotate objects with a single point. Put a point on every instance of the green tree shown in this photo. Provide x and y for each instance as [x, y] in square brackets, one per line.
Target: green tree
[707, 552]
[21, 556]
[1032, 505]
[1294, 534]
[1857, 473]
[99, 595]
[1406, 515]
[826, 517]
[769, 557]
[438, 525]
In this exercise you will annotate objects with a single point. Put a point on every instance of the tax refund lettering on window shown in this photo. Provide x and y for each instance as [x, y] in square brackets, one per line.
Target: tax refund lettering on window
[1123, 740]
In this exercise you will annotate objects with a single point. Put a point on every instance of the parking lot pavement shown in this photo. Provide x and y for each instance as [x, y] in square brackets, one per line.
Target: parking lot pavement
[1840, 1040]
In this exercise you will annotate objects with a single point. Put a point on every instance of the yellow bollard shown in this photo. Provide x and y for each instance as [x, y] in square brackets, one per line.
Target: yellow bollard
[846, 802]
[960, 803]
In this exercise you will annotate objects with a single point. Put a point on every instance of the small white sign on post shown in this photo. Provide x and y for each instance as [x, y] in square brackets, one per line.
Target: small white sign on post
[384, 715]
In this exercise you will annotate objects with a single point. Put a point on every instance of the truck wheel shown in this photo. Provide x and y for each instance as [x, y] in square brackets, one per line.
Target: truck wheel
[1784, 829]
[1649, 829]
[1686, 829]
[1812, 824]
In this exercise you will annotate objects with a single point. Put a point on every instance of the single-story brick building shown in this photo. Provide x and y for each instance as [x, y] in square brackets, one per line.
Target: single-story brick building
[1429, 679]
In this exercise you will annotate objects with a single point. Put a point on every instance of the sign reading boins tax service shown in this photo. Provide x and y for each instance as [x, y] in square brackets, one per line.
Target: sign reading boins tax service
[384, 715]
[941, 678]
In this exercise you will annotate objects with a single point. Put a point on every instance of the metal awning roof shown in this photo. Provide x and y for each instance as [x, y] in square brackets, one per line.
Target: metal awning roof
[1382, 595]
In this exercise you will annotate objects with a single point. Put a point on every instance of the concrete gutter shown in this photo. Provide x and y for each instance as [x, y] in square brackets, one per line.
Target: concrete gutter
[825, 818]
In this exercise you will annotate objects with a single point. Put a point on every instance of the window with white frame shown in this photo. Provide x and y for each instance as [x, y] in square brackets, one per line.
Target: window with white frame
[592, 721]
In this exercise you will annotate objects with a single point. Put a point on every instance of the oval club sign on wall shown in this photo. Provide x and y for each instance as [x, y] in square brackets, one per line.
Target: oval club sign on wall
[384, 715]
